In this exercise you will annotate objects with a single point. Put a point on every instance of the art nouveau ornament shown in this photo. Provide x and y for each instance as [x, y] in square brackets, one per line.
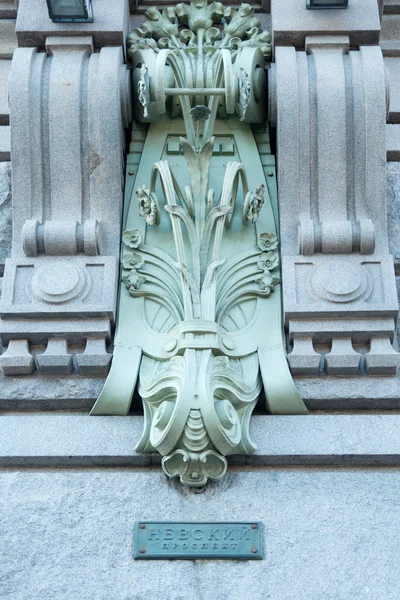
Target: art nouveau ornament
[201, 297]
[220, 56]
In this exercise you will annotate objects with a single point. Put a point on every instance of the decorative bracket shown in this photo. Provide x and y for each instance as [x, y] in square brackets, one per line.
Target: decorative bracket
[200, 264]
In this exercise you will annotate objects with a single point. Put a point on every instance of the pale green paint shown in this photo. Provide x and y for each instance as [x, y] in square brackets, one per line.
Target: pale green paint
[200, 315]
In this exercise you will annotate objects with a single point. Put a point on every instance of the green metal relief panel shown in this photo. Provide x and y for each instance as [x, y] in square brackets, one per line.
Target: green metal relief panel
[200, 324]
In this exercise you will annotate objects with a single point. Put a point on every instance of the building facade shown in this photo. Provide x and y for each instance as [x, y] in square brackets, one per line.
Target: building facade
[199, 261]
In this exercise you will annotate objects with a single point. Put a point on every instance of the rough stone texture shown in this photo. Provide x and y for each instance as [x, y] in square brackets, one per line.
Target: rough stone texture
[5, 66]
[110, 26]
[17, 359]
[392, 6]
[393, 66]
[328, 256]
[393, 194]
[8, 9]
[8, 39]
[330, 535]
[5, 213]
[393, 142]
[76, 439]
[390, 39]
[292, 22]
[80, 393]
[49, 393]
[67, 194]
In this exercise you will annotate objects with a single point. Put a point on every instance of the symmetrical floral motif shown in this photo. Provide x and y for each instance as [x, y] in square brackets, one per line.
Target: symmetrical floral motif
[201, 333]
[197, 404]
[201, 288]
[163, 29]
[207, 46]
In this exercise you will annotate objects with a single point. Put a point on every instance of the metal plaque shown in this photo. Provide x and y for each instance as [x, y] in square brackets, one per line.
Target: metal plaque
[172, 540]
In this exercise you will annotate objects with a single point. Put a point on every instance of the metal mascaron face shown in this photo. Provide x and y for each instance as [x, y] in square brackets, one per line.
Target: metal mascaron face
[200, 308]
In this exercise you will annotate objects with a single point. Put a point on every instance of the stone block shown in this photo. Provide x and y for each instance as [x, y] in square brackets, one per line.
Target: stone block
[292, 22]
[94, 361]
[349, 393]
[69, 44]
[76, 330]
[17, 360]
[342, 358]
[55, 360]
[350, 284]
[303, 359]
[382, 359]
[392, 7]
[34, 439]
[5, 143]
[59, 286]
[80, 393]
[5, 67]
[390, 39]
[49, 393]
[393, 66]
[8, 10]
[393, 142]
[8, 38]
[110, 26]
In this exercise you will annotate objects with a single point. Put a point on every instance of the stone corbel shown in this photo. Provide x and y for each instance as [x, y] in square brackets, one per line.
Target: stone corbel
[329, 104]
[69, 107]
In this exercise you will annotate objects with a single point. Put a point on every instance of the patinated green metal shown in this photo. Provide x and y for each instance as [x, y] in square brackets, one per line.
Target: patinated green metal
[200, 318]
[188, 541]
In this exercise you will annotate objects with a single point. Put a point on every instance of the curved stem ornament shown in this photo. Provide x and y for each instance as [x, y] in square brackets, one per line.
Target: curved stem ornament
[200, 294]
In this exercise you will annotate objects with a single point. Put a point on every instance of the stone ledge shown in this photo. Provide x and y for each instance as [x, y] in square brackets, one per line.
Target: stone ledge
[349, 393]
[30, 440]
[110, 26]
[80, 393]
[292, 22]
[49, 393]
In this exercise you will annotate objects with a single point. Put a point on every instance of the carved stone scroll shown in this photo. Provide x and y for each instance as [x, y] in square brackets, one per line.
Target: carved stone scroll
[69, 107]
[329, 104]
[199, 321]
